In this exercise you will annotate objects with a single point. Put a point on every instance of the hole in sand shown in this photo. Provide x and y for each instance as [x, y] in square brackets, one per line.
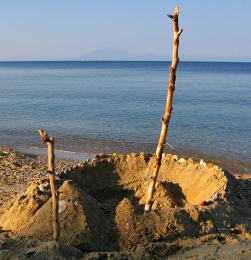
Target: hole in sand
[109, 180]
[102, 201]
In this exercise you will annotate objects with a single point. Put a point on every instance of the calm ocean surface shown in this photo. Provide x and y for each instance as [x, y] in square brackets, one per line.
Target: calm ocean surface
[116, 106]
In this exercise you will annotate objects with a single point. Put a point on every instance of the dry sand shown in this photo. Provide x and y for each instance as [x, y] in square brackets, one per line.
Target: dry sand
[199, 210]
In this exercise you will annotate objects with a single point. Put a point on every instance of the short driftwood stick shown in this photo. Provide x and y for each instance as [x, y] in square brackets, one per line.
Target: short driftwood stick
[51, 170]
[167, 115]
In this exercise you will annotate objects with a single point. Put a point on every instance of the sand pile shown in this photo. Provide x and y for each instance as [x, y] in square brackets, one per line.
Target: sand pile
[101, 203]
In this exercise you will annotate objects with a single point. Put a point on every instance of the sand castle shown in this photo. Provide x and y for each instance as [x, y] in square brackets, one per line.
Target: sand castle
[191, 199]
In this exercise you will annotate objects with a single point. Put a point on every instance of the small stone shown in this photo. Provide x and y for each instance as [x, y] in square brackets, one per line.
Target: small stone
[202, 163]
[216, 168]
[175, 158]
[61, 206]
[182, 161]
[41, 188]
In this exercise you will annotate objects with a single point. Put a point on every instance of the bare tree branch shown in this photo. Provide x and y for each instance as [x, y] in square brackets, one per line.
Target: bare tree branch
[167, 115]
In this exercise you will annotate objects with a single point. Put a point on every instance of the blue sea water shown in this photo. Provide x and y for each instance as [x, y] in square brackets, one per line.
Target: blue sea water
[102, 106]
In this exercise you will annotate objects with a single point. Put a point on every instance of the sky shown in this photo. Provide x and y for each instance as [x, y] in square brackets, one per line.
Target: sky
[69, 29]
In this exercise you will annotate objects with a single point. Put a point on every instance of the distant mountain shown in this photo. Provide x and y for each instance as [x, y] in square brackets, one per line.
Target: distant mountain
[112, 54]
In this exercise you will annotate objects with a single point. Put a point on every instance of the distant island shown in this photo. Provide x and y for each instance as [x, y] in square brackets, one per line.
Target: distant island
[113, 54]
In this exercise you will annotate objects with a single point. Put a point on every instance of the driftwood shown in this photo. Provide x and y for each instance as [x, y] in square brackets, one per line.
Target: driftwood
[167, 115]
[51, 170]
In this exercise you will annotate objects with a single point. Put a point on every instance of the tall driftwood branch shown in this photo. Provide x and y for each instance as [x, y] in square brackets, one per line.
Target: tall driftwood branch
[51, 170]
[167, 115]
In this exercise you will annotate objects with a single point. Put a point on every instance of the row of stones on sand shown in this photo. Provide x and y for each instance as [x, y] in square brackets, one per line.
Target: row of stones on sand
[18, 168]
[165, 157]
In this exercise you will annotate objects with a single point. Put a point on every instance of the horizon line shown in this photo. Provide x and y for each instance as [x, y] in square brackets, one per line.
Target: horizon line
[213, 61]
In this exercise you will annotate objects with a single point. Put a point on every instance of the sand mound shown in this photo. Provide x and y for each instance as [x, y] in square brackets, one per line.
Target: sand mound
[24, 207]
[101, 203]
[81, 217]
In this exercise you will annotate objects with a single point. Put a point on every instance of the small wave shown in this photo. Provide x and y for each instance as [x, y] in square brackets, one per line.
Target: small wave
[63, 154]
[57, 150]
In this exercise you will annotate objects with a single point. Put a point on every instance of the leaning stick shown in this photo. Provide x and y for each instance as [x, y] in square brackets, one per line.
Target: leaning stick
[51, 170]
[167, 115]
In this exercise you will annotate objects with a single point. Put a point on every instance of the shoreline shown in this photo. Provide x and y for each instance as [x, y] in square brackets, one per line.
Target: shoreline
[60, 154]
[232, 165]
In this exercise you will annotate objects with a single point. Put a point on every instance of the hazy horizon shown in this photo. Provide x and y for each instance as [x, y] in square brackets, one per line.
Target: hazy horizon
[71, 60]
[118, 55]
[64, 30]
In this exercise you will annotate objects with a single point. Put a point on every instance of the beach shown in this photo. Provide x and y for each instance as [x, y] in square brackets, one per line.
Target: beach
[105, 120]
[224, 221]
[125, 135]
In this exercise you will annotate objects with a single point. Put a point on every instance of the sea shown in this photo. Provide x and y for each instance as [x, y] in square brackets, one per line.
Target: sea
[107, 107]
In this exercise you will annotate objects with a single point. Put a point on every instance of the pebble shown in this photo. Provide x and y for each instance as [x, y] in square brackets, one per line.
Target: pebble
[202, 163]
[17, 168]
[182, 161]
[175, 158]
[216, 168]
[61, 206]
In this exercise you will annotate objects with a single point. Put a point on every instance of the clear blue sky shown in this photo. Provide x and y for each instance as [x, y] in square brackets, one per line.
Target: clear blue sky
[67, 29]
